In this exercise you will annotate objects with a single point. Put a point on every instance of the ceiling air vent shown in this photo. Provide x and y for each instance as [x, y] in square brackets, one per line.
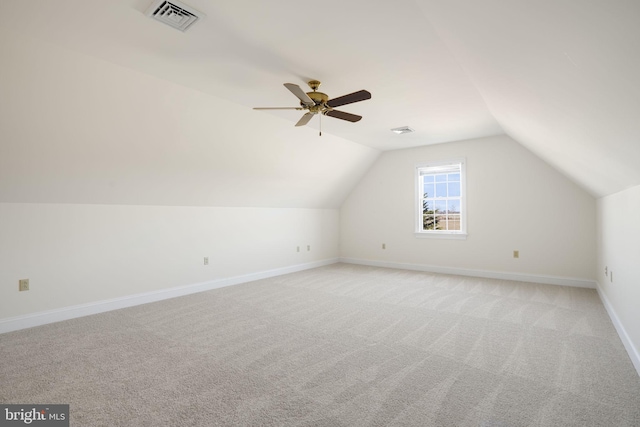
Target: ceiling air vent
[174, 13]
[401, 130]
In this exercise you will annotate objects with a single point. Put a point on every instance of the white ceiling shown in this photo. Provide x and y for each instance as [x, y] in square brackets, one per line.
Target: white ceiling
[560, 77]
[244, 51]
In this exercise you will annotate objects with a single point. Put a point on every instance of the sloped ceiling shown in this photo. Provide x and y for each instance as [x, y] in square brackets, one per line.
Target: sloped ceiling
[560, 77]
[74, 129]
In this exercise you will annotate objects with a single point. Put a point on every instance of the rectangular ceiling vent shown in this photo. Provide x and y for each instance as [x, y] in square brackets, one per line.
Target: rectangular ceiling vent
[174, 13]
[402, 129]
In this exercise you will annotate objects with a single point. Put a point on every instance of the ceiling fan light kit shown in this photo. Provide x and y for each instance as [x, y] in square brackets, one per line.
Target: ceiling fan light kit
[315, 102]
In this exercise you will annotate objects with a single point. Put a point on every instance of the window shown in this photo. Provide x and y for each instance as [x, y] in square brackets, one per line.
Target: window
[440, 207]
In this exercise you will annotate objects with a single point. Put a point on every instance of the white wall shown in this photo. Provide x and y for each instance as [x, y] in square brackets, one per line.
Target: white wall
[619, 251]
[78, 254]
[515, 202]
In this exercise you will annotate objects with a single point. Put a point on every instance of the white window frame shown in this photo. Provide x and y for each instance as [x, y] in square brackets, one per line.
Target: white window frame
[441, 234]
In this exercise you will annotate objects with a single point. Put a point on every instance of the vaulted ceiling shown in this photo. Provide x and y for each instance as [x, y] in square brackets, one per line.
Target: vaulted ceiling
[560, 77]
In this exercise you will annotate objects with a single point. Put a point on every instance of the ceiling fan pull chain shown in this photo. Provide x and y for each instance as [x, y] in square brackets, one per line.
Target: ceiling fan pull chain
[320, 124]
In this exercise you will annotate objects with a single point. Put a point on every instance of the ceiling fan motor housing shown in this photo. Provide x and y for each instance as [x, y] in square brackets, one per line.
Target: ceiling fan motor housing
[318, 97]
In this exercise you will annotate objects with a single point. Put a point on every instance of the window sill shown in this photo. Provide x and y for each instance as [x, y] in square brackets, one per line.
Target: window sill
[436, 235]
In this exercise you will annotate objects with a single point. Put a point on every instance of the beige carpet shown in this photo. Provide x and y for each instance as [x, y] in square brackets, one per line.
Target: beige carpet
[341, 345]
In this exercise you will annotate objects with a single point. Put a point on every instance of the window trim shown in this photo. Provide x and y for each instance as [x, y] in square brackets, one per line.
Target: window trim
[441, 234]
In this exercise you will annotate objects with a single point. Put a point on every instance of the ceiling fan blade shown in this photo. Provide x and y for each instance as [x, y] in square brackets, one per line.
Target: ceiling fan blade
[278, 108]
[342, 115]
[304, 119]
[361, 95]
[295, 89]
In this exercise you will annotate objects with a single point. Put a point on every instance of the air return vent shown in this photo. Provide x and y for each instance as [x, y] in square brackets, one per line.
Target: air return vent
[174, 13]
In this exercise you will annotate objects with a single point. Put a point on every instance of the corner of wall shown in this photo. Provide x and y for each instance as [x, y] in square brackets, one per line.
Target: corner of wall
[634, 353]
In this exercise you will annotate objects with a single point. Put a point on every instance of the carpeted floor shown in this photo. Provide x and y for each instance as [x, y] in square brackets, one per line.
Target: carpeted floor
[341, 345]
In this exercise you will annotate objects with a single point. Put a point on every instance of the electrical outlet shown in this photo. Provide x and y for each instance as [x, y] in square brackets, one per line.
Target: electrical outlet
[606, 271]
[206, 260]
[611, 276]
[308, 247]
[298, 249]
[516, 254]
[23, 285]
[384, 246]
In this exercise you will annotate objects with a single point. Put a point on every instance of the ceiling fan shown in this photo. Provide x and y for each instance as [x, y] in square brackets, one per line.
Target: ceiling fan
[319, 103]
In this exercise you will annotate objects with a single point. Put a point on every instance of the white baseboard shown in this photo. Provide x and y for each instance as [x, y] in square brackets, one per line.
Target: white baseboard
[633, 352]
[66, 313]
[549, 280]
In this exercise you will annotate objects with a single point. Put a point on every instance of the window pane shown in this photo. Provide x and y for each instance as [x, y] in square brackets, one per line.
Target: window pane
[454, 222]
[441, 222]
[441, 206]
[453, 205]
[454, 177]
[427, 178]
[454, 189]
[441, 178]
[429, 190]
[441, 190]
[427, 206]
[428, 222]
